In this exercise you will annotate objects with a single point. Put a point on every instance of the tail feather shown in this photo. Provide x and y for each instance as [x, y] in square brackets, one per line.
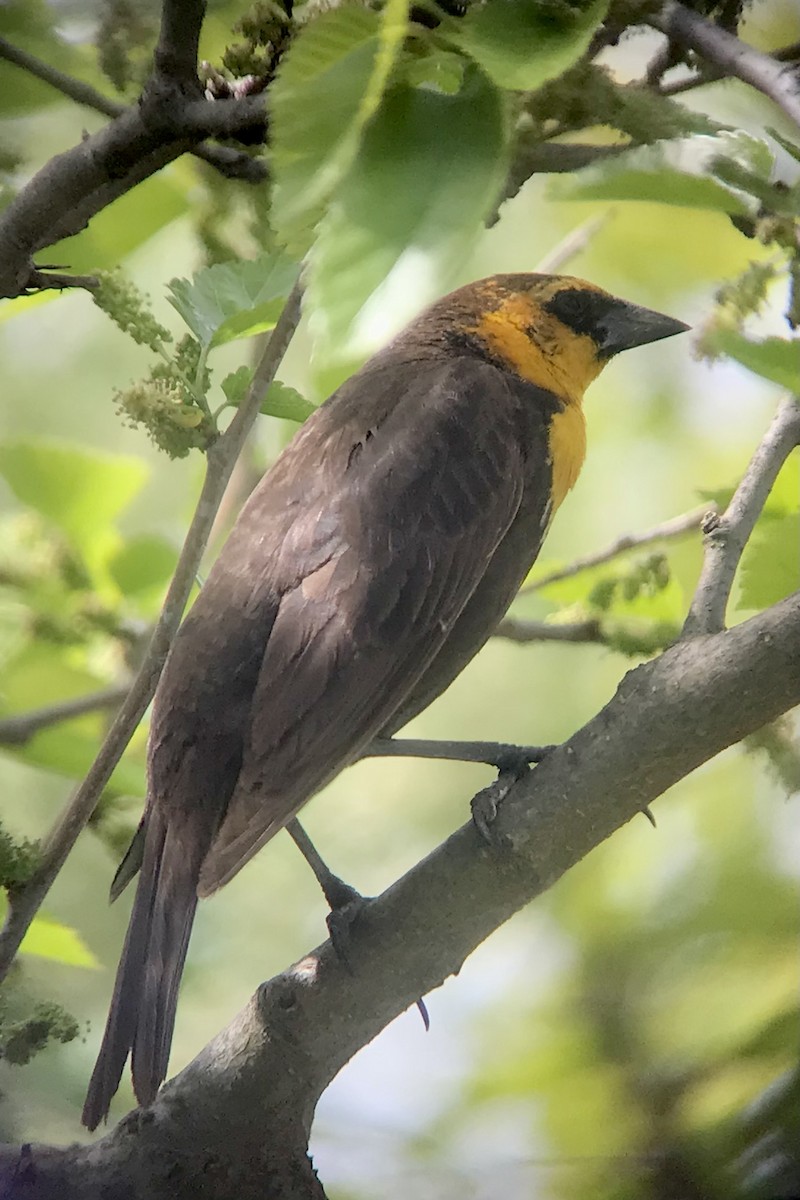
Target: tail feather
[171, 927]
[142, 1014]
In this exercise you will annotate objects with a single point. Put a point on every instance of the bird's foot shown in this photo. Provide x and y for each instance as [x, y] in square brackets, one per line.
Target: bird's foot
[513, 763]
[348, 907]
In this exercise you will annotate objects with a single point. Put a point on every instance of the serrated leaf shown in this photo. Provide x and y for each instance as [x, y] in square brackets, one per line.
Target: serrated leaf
[773, 358]
[678, 172]
[521, 47]
[235, 299]
[50, 939]
[235, 385]
[284, 401]
[329, 84]
[81, 491]
[428, 171]
[771, 563]
[281, 400]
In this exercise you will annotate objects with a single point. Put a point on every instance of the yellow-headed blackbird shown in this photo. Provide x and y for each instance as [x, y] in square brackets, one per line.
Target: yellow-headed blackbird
[367, 568]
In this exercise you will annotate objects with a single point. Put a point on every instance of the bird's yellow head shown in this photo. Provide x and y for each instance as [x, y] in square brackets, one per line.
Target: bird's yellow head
[554, 331]
[557, 331]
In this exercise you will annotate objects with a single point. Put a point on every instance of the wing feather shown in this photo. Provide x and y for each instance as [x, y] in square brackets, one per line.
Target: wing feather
[412, 521]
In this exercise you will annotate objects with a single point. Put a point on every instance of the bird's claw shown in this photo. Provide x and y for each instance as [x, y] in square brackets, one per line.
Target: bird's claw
[513, 763]
[340, 922]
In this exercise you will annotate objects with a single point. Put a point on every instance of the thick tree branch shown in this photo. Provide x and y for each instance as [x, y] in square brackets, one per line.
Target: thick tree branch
[234, 164]
[175, 57]
[727, 536]
[731, 56]
[26, 900]
[237, 1117]
[785, 54]
[171, 118]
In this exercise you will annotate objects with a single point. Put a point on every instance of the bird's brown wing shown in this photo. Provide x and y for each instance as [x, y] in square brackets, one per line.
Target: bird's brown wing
[412, 508]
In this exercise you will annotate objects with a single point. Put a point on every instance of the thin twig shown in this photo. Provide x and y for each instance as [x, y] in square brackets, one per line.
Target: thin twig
[68, 85]
[514, 630]
[673, 528]
[20, 728]
[493, 754]
[234, 164]
[727, 537]
[25, 902]
[573, 244]
[732, 56]
[703, 78]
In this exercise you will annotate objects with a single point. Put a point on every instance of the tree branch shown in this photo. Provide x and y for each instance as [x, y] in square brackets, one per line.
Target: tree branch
[786, 54]
[731, 56]
[68, 85]
[171, 118]
[238, 1115]
[523, 632]
[727, 536]
[175, 57]
[234, 164]
[672, 528]
[26, 900]
[21, 727]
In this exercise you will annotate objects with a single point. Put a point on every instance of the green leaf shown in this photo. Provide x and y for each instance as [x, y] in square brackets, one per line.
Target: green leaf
[439, 70]
[790, 147]
[281, 400]
[236, 384]
[774, 358]
[48, 938]
[678, 172]
[329, 84]
[519, 45]
[428, 171]
[142, 563]
[81, 491]
[285, 401]
[235, 299]
[771, 563]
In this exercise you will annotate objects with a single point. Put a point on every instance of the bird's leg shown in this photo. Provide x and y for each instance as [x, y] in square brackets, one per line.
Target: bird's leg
[338, 893]
[345, 902]
[506, 757]
[512, 762]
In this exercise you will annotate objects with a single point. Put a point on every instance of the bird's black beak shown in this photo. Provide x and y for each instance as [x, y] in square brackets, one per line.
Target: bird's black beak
[627, 325]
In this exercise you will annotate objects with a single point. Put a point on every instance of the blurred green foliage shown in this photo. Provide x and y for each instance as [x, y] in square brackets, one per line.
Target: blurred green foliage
[634, 1035]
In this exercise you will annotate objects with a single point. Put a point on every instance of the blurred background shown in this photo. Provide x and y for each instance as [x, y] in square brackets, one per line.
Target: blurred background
[632, 1033]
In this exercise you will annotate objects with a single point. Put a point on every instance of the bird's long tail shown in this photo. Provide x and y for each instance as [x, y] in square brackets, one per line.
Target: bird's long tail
[142, 1013]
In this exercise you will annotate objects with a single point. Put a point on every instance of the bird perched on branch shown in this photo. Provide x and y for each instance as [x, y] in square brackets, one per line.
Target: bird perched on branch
[367, 568]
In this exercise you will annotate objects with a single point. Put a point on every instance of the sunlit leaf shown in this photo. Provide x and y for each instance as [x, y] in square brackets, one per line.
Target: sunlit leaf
[329, 84]
[80, 490]
[678, 172]
[428, 171]
[774, 358]
[48, 938]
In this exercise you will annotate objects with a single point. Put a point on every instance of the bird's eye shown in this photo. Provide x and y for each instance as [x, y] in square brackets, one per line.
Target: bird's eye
[577, 310]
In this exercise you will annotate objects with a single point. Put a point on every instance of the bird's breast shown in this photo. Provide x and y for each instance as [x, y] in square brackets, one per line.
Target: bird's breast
[567, 446]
